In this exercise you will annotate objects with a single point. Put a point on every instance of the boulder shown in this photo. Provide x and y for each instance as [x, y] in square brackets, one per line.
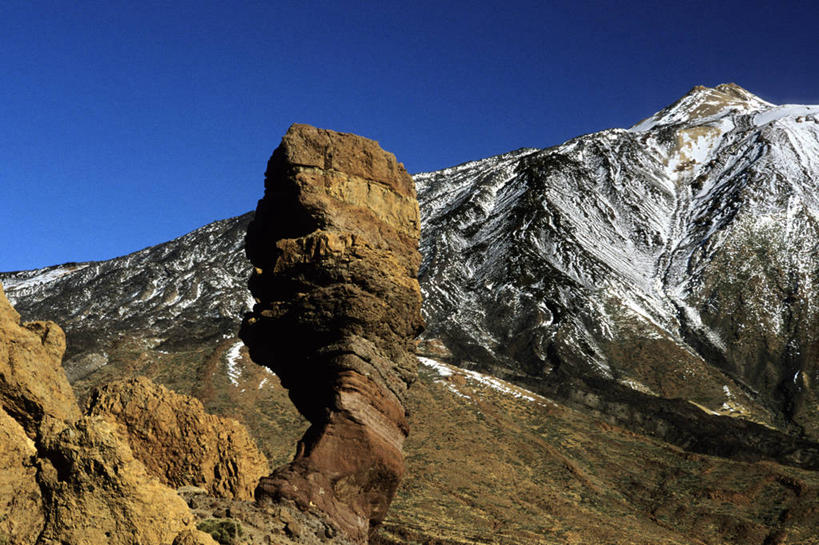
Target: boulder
[178, 442]
[97, 492]
[65, 478]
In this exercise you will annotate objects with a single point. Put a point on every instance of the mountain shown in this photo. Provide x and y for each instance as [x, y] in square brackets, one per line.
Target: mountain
[677, 259]
[181, 293]
[657, 280]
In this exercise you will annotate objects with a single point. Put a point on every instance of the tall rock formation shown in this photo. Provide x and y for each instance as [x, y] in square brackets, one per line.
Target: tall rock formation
[334, 244]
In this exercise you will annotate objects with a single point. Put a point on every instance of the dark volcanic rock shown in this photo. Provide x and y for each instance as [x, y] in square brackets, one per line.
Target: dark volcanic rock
[334, 244]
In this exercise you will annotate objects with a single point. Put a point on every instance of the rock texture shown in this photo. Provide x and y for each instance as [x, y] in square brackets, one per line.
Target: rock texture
[334, 245]
[32, 384]
[67, 478]
[21, 502]
[236, 522]
[97, 492]
[178, 442]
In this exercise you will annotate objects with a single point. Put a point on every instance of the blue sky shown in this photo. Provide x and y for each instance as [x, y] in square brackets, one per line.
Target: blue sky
[126, 124]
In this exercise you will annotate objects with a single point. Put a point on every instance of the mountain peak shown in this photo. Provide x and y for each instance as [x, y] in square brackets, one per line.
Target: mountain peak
[725, 93]
[703, 102]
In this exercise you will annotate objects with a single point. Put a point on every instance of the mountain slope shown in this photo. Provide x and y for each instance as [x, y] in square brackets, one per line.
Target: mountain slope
[177, 294]
[674, 260]
[677, 258]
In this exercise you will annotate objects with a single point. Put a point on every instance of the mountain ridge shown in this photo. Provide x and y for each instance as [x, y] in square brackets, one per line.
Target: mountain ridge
[622, 220]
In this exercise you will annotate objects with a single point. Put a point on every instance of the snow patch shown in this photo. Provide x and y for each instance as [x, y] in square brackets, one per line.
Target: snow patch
[233, 370]
[40, 278]
[786, 110]
[501, 386]
[693, 317]
[440, 368]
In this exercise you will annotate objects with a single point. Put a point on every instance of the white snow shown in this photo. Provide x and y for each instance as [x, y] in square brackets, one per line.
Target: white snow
[502, 386]
[786, 110]
[695, 321]
[440, 368]
[646, 124]
[42, 276]
[704, 104]
[233, 370]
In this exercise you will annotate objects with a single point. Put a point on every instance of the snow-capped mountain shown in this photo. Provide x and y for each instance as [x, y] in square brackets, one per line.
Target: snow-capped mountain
[677, 258]
[656, 275]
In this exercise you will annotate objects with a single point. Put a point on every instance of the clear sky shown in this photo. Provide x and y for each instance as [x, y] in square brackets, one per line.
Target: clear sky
[126, 124]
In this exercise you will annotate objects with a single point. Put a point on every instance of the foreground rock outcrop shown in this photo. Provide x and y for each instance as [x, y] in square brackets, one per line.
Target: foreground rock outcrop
[32, 385]
[95, 491]
[67, 478]
[178, 442]
[334, 245]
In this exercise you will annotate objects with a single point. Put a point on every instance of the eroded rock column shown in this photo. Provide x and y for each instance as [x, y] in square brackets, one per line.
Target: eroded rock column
[334, 244]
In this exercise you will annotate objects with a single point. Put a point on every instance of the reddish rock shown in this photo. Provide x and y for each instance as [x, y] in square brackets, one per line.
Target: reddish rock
[335, 247]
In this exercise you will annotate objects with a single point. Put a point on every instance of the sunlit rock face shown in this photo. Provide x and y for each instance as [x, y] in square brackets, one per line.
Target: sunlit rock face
[334, 245]
[65, 477]
[177, 441]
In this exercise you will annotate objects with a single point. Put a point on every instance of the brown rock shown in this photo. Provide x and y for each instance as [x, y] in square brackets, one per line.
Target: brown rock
[335, 247]
[32, 381]
[97, 492]
[21, 503]
[178, 441]
[249, 523]
[193, 537]
[66, 478]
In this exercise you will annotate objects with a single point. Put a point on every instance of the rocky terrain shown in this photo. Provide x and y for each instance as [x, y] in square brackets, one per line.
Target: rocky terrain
[334, 244]
[178, 442]
[487, 462]
[176, 295]
[108, 474]
[651, 289]
[66, 477]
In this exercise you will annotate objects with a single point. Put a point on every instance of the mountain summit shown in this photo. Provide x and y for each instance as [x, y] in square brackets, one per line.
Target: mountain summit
[705, 102]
